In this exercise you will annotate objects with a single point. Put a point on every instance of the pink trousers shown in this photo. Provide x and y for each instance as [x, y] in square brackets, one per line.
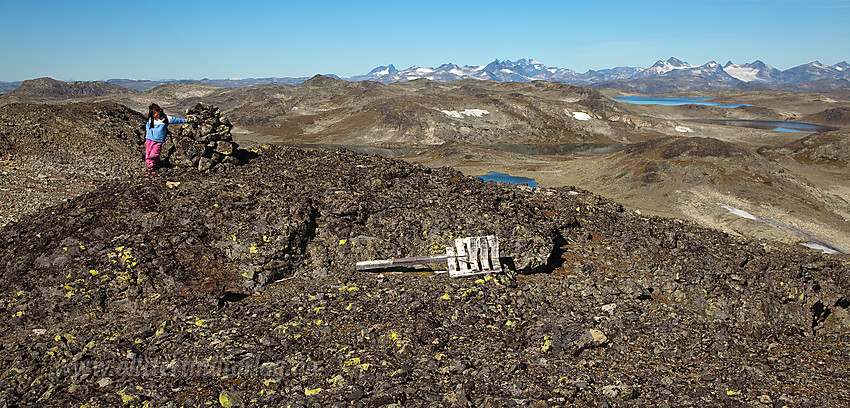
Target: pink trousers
[152, 150]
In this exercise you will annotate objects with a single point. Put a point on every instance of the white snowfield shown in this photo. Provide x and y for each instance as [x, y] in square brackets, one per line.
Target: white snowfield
[581, 116]
[743, 73]
[684, 129]
[819, 247]
[667, 67]
[468, 112]
[740, 213]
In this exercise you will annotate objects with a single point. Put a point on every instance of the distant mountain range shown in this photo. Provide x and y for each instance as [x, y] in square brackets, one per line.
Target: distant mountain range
[525, 70]
[664, 76]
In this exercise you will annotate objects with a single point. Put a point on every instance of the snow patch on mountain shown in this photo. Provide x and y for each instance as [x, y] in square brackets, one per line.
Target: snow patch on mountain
[467, 112]
[740, 213]
[663, 67]
[743, 73]
[581, 116]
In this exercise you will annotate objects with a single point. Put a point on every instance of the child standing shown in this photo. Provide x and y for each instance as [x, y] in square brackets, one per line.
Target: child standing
[155, 130]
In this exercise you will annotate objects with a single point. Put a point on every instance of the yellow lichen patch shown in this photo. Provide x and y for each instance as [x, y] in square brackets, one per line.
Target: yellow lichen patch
[336, 381]
[125, 255]
[125, 276]
[126, 398]
[229, 399]
[547, 342]
[446, 297]
[253, 249]
[312, 391]
[161, 328]
[355, 362]
[469, 291]
[93, 272]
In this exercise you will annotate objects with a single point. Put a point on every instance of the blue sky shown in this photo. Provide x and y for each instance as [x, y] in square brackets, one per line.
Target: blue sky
[98, 40]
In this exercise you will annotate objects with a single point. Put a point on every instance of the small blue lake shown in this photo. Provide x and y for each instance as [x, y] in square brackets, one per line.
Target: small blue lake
[774, 125]
[676, 101]
[781, 129]
[507, 178]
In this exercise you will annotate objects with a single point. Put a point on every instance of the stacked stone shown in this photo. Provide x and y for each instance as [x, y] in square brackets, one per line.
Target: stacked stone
[205, 141]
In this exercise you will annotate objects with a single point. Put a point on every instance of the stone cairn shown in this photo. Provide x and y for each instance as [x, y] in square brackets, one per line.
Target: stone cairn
[205, 142]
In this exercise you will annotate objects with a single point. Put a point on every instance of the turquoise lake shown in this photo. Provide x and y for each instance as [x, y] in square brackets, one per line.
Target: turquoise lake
[507, 178]
[676, 101]
[774, 125]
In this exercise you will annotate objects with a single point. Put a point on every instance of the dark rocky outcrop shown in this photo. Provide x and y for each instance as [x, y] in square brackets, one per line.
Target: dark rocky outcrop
[238, 288]
[833, 116]
[673, 147]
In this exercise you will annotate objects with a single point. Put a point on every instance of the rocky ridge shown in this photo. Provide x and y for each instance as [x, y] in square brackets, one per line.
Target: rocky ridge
[238, 288]
[51, 88]
[51, 153]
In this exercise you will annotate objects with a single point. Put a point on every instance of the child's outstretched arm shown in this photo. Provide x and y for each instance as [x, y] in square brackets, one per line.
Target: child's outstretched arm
[172, 119]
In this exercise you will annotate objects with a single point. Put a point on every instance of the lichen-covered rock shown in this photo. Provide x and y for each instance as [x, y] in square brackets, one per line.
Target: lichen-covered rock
[238, 288]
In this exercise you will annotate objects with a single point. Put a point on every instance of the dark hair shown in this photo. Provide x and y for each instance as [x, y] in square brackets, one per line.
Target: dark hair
[155, 108]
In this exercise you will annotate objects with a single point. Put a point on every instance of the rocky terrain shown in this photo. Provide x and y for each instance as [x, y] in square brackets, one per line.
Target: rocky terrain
[238, 288]
[235, 284]
[548, 122]
[51, 153]
[51, 88]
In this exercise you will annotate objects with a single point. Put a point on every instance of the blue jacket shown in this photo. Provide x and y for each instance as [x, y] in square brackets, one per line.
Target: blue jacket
[159, 128]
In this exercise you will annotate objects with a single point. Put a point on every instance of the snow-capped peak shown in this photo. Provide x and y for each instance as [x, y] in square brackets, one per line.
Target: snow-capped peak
[663, 67]
[383, 70]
